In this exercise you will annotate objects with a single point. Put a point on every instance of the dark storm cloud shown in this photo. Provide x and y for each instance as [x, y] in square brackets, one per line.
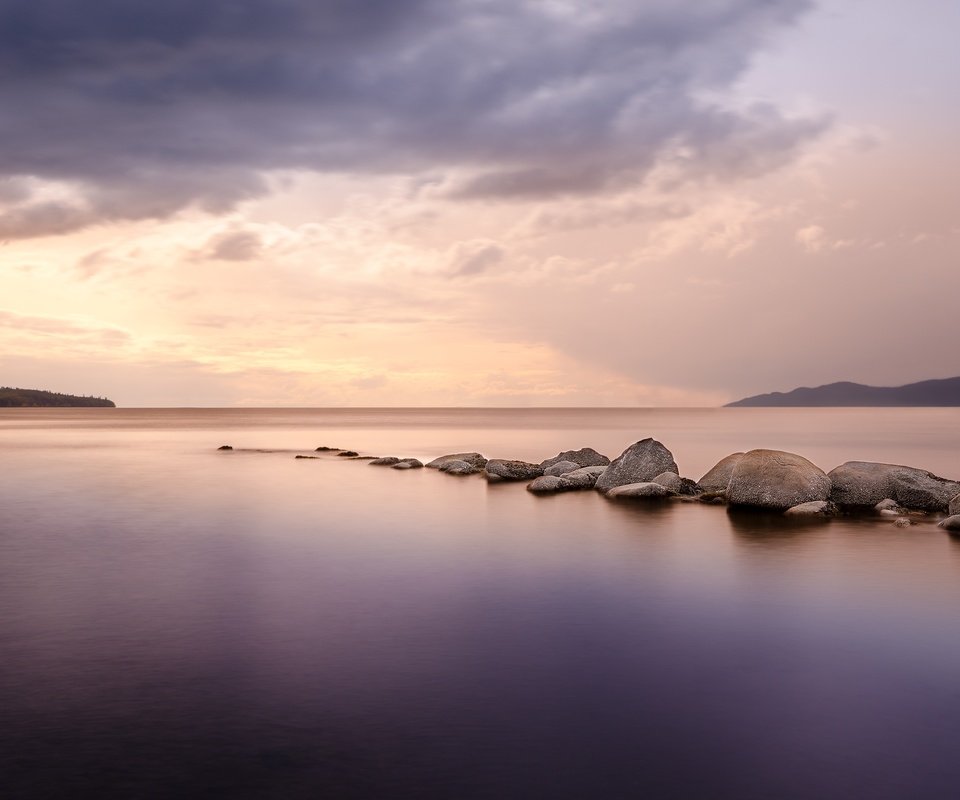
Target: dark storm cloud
[150, 107]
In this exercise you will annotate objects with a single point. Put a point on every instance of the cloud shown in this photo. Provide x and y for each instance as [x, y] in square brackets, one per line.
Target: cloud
[239, 245]
[147, 108]
[475, 257]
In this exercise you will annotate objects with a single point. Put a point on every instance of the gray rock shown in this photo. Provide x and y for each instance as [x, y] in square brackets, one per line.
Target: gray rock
[561, 468]
[717, 478]
[951, 523]
[866, 483]
[402, 465]
[348, 453]
[682, 486]
[776, 480]
[583, 478]
[411, 463]
[955, 505]
[644, 490]
[584, 457]
[887, 504]
[546, 484]
[815, 508]
[499, 469]
[456, 467]
[902, 522]
[475, 460]
[639, 463]
[385, 461]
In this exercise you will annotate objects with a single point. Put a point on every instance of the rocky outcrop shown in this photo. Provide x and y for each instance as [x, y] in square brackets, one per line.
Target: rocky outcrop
[385, 461]
[499, 469]
[475, 460]
[584, 457]
[545, 484]
[644, 490]
[561, 468]
[718, 476]
[816, 508]
[866, 483]
[639, 463]
[776, 480]
[457, 467]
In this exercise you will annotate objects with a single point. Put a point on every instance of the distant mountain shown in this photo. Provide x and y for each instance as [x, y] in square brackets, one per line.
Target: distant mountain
[945, 392]
[36, 398]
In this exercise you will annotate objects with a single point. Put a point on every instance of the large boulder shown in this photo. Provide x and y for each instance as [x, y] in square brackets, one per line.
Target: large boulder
[776, 480]
[560, 468]
[499, 469]
[955, 505]
[475, 460]
[866, 483]
[584, 457]
[718, 476]
[639, 463]
[583, 478]
[644, 490]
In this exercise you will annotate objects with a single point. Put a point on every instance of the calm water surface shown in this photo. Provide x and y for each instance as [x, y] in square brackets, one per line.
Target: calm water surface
[179, 622]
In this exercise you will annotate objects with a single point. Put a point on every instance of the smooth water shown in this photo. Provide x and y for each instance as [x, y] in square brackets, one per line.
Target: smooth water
[181, 622]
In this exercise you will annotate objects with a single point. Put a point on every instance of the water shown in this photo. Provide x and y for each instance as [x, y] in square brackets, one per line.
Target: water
[180, 622]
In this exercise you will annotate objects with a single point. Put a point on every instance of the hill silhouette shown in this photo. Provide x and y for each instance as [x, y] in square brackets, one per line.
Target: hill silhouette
[38, 398]
[944, 392]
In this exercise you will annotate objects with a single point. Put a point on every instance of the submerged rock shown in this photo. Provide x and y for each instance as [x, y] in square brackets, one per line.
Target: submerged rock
[718, 477]
[475, 460]
[902, 522]
[499, 469]
[310, 457]
[323, 449]
[224, 447]
[583, 478]
[951, 523]
[776, 480]
[584, 457]
[545, 484]
[385, 461]
[639, 463]
[643, 490]
[457, 467]
[866, 483]
[561, 468]
[815, 508]
[348, 453]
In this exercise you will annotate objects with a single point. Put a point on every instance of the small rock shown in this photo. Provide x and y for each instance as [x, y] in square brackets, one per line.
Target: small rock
[584, 457]
[224, 447]
[457, 468]
[415, 463]
[475, 460]
[348, 453]
[561, 468]
[682, 486]
[951, 523]
[887, 505]
[644, 490]
[402, 465]
[639, 463]
[311, 457]
[583, 478]
[776, 480]
[326, 449]
[385, 461]
[902, 522]
[718, 477]
[815, 508]
[499, 469]
[546, 484]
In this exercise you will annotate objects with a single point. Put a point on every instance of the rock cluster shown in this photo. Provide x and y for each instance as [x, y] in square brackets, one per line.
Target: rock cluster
[640, 462]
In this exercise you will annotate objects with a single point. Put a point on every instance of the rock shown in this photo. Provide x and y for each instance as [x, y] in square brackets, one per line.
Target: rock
[639, 463]
[499, 469]
[718, 477]
[951, 523]
[385, 461]
[408, 463]
[644, 490]
[348, 453]
[673, 482]
[866, 483]
[902, 522]
[310, 457]
[456, 467]
[583, 478]
[815, 508]
[887, 504]
[955, 505]
[326, 449]
[546, 484]
[584, 457]
[224, 447]
[776, 480]
[475, 460]
[561, 468]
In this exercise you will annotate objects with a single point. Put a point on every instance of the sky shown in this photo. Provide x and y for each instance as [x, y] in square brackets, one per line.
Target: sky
[476, 202]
